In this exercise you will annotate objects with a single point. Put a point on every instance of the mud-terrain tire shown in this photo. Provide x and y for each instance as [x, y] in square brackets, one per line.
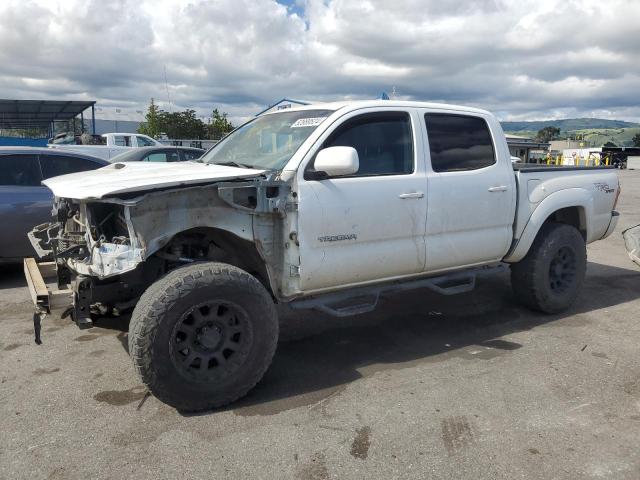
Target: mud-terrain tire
[203, 335]
[550, 276]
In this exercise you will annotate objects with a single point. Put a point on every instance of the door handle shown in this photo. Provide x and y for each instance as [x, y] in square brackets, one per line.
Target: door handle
[405, 196]
[500, 188]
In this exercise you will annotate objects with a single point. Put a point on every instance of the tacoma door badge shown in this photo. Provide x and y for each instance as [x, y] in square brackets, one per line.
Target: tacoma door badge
[338, 238]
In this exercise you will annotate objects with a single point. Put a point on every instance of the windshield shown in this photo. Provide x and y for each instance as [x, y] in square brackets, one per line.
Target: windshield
[267, 142]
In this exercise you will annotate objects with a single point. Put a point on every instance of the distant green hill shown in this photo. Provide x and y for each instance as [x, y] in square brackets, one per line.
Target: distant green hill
[594, 131]
[621, 137]
[567, 124]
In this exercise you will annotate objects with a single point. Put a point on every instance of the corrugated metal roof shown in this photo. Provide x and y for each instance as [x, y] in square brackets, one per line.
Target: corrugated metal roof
[38, 113]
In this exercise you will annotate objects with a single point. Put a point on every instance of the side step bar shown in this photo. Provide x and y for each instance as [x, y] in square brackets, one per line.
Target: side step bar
[365, 299]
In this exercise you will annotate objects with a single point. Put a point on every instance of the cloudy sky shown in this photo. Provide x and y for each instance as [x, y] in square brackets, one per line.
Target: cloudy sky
[521, 59]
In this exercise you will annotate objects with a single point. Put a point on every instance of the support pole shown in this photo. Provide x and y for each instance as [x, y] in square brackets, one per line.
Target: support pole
[82, 120]
[93, 118]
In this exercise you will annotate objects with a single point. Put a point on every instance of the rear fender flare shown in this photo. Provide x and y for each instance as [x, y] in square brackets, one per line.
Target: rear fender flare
[571, 197]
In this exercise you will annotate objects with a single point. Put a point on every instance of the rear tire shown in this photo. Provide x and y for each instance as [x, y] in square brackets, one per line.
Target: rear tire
[550, 276]
[203, 336]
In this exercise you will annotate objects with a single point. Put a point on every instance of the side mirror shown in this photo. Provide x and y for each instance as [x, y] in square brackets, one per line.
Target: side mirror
[336, 161]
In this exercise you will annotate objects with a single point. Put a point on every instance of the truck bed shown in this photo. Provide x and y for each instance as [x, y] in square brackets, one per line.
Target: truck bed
[545, 189]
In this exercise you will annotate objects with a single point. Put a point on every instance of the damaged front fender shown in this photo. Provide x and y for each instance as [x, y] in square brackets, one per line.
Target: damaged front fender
[246, 222]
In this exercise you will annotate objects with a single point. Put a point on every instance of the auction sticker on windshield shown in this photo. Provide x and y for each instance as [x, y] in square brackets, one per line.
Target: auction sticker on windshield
[307, 122]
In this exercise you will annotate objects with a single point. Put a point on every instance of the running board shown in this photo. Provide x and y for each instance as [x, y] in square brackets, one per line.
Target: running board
[365, 299]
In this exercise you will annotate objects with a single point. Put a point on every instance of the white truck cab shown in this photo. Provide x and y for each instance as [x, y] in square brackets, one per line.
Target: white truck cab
[325, 207]
[129, 140]
[384, 206]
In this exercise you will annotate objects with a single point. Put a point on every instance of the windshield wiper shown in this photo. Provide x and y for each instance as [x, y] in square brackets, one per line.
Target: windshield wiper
[234, 164]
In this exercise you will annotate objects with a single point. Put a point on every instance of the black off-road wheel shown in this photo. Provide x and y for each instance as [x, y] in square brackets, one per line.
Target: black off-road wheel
[550, 276]
[203, 336]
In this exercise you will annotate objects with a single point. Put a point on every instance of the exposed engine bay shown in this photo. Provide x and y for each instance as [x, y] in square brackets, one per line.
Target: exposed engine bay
[110, 250]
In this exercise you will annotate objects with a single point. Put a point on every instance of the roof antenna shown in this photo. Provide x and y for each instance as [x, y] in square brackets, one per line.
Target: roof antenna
[166, 85]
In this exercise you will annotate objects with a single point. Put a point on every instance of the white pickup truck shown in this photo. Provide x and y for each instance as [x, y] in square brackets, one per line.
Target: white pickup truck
[321, 207]
[108, 145]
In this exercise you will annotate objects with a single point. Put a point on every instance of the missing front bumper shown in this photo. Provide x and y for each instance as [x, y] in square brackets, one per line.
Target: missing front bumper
[46, 298]
[50, 290]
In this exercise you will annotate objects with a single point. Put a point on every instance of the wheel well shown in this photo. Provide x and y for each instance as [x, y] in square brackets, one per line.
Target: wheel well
[574, 216]
[213, 244]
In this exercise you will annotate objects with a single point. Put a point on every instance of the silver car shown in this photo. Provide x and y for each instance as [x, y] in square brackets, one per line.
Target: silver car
[24, 201]
[159, 154]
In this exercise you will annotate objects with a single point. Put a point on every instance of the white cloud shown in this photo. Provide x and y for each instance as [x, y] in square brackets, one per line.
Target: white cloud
[521, 59]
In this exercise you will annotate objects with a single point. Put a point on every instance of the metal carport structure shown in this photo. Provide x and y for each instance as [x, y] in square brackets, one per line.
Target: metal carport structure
[42, 114]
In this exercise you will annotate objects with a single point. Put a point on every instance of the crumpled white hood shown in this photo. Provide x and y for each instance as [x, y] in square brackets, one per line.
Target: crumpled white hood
[140, 176]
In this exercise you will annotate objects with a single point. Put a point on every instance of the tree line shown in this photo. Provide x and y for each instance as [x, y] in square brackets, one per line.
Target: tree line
[184, 124]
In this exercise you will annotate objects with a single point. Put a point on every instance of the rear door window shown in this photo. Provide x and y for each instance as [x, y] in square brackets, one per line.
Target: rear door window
[458, 142]
[55, 165]
[19, 170]
[122, 140]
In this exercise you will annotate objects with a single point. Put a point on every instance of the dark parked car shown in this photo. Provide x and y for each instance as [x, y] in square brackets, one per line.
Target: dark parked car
[159, 154]
[24, 201]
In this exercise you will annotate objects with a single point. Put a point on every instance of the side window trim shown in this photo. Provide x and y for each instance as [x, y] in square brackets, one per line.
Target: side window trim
[309, 170]
[463, 115]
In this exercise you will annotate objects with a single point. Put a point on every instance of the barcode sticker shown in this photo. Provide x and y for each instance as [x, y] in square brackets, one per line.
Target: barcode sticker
[308, 122]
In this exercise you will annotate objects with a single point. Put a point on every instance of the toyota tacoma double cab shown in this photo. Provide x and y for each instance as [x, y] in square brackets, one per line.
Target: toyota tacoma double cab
[320, 207]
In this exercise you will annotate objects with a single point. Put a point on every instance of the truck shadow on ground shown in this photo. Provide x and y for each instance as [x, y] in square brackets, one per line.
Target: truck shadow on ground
[318, 356]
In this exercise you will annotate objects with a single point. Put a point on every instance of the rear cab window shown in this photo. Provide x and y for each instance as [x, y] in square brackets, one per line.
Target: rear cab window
[459, 142]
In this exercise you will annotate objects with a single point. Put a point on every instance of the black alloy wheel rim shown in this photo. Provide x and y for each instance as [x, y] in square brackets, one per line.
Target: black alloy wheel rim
[211, 341]
[562, 270]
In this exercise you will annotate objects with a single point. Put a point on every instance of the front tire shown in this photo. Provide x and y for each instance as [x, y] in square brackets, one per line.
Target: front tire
[550, 276]
[203, 336]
